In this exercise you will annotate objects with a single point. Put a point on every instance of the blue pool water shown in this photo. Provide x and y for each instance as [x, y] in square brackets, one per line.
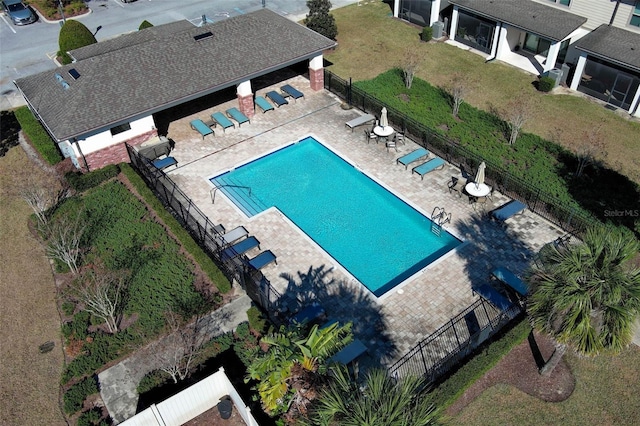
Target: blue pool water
[378, 238]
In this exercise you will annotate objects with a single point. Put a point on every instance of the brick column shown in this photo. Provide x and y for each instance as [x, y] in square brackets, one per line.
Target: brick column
[316, 78]
[316, 73]
[246, 105]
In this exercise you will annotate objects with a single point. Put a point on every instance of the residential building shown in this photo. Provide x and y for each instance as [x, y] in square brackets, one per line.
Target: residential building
[595, 43]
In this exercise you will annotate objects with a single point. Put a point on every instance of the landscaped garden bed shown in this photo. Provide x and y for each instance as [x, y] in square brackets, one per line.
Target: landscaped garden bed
[50, 9]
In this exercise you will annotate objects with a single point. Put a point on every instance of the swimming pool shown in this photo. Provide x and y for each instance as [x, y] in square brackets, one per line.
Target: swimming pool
[373, 234]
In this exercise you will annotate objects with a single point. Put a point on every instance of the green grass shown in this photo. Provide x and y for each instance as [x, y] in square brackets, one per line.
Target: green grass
[606, 393]
[370, 42]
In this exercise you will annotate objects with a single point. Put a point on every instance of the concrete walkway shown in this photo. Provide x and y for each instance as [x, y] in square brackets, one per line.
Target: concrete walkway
[118, 384]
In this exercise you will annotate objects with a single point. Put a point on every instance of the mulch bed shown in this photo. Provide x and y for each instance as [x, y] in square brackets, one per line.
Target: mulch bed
[519, 368]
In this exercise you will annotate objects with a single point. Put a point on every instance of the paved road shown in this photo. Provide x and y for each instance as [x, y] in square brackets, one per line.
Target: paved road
[29, 49]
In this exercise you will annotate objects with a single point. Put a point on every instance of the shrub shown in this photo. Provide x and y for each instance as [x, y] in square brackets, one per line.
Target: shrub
[68, 308]
[73, 35]
[152, 380]
[92, 417]
[246, 345]
[83, 181]
[74, 397]
[257, 321]
[145, 24]
[546, 83]
[320, 20]
[78, 327]
[427, 34]
[38, 136]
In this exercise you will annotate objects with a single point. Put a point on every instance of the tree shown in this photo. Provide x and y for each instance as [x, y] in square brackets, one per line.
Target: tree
[102, 292]
[63, 240]
[409, 66]
[380, 401]
[459, 88]
[291, 370]
[320, 20]
[587, 296]
[73, 35]
[145, 24]
[41, 198]
[182, 346]
[592, 145]
[516, 114]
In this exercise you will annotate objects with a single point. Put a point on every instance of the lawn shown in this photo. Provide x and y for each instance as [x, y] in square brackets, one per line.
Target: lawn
[31, 380]
[370, 42]
[606, 393]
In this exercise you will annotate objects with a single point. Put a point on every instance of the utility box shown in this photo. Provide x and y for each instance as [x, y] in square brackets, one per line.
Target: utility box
[438, 29]
[556, 75]
[565, 73]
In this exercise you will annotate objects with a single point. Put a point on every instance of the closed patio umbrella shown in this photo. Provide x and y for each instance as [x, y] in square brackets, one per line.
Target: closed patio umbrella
[384, 121]
[480, 174]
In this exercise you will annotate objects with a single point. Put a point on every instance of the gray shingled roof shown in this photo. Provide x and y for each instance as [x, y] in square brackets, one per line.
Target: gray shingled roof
[130, 39]
[126, 83]
[547, 21]
[614, 44]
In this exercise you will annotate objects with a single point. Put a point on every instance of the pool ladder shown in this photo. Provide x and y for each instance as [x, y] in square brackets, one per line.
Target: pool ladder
[438, 218]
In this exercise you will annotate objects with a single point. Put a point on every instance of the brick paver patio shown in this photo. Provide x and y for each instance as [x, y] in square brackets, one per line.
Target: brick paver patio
[394, 323]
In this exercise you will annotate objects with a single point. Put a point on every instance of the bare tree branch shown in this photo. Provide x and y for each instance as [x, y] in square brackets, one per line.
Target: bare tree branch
[409, 66]
[101, 292]
[516, 114]
[63, 240]
[41, 198]
[592, 146]
[459, 88]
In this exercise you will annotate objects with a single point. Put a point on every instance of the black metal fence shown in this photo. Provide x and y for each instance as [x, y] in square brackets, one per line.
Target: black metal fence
[432, 357]
[568, 218]
[206, 234]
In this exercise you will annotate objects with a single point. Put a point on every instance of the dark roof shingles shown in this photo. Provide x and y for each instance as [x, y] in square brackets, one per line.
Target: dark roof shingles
[546, 21]
[127, 83]
[613, 43]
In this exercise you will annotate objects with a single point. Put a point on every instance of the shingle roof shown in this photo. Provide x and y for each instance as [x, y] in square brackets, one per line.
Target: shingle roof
[547, 21]
[125, 83]
[131, 39]
[614, 44]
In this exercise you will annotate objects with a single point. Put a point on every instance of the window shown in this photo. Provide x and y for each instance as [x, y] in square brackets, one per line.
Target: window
[562, 2]
[119, 129]
[635, 15]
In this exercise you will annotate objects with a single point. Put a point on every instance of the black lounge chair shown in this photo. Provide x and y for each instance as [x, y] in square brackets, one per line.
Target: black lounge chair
[239, 248]
[292, 91]
[263, 259]
[276, 98]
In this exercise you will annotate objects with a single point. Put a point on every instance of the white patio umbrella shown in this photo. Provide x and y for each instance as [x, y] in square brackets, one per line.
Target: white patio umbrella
[480, 174]
[384, 121]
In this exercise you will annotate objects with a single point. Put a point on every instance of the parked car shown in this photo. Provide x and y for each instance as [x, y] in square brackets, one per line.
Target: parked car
[18, 12]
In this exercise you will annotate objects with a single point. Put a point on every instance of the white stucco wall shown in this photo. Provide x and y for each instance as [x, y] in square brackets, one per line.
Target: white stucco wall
[101, 140]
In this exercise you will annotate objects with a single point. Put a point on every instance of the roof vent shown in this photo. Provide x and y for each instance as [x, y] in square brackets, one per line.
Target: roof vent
[203, 36]
[74, 73]
[62, 81]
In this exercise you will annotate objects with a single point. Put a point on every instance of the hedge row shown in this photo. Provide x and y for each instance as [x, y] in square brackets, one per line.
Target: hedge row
[84, 181]
[38, 136]
[188, 243]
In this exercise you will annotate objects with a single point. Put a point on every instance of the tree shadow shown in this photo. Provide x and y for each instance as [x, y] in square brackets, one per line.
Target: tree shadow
[603, 192]
[535, 350]
[343, 301]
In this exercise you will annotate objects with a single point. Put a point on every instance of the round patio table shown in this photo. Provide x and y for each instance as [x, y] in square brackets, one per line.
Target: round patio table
[477, 190]
[383, 132]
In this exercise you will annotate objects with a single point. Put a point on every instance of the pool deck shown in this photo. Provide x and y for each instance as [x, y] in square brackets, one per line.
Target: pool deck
[393, 324]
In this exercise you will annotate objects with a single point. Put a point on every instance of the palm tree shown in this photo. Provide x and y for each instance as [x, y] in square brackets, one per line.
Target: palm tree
[381, 400]
[587, 295]
[292, 368]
